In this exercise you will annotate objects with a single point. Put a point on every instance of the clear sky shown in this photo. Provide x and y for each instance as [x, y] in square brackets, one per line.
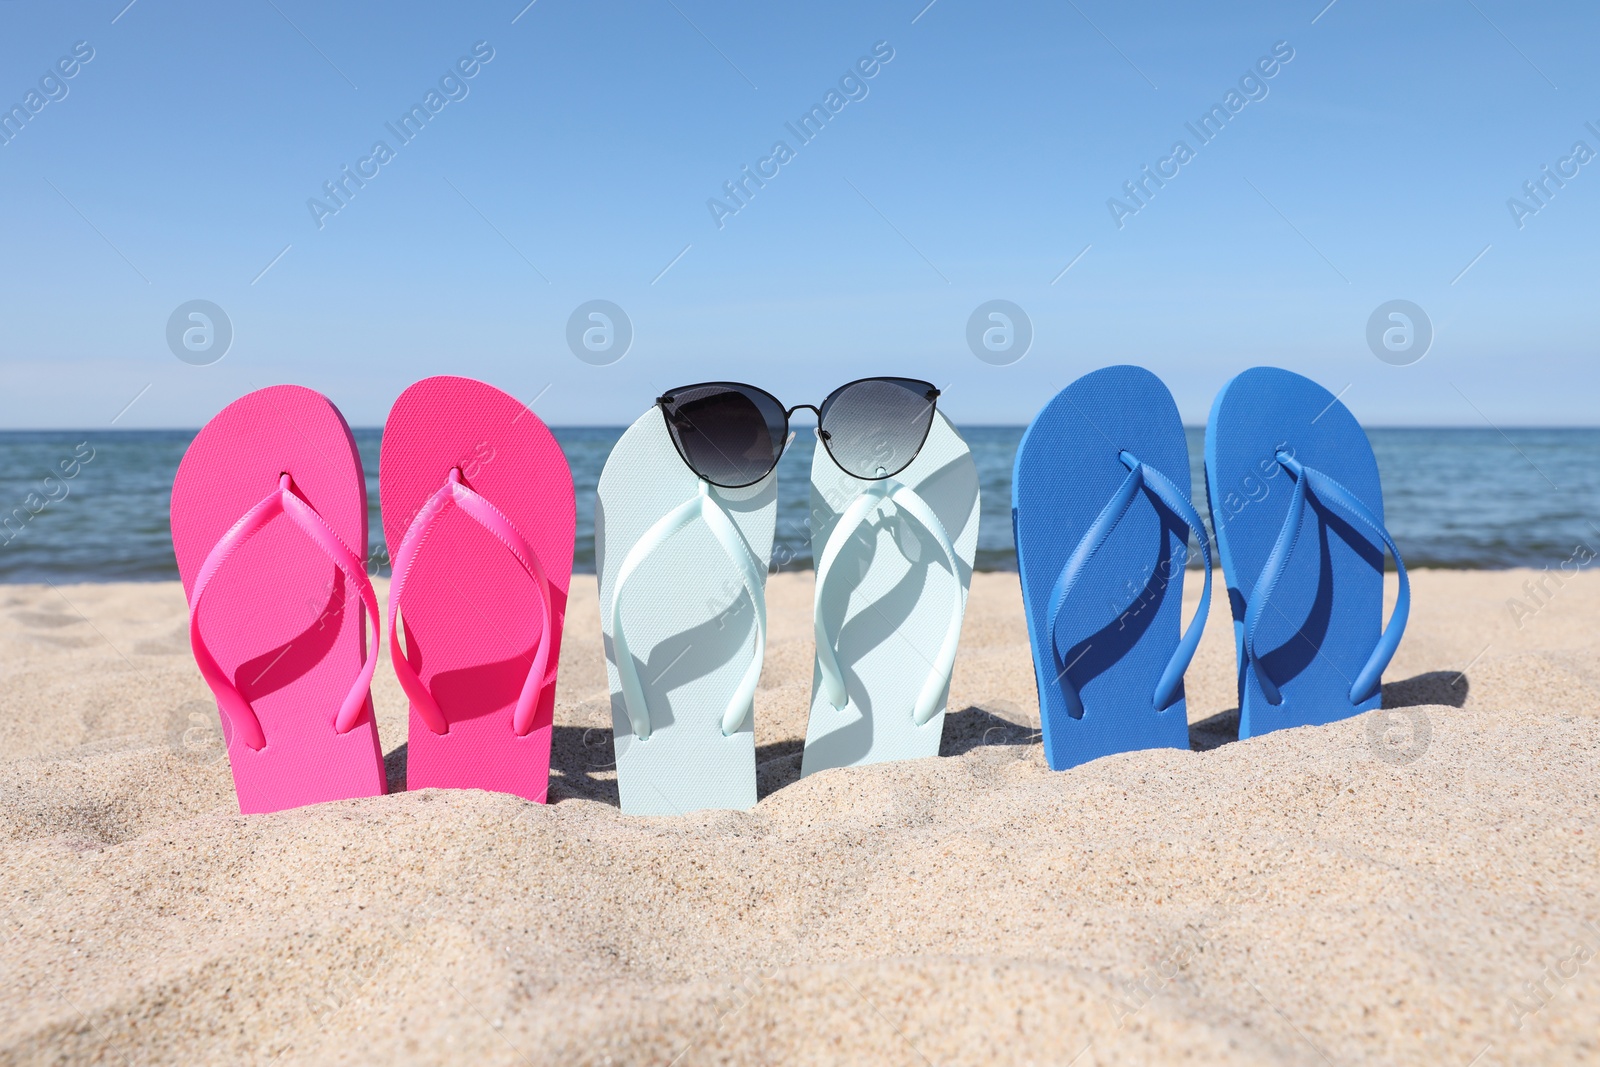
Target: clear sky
[578, 159]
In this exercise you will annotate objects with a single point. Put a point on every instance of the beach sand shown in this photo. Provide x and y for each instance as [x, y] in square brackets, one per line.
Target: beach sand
[1394, 888]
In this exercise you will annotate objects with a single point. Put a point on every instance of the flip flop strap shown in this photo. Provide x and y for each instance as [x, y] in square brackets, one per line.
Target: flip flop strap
[485, 514]
[241, 717]
[860, 508]
[1140, 476]
[1328, 491]
[703, 506]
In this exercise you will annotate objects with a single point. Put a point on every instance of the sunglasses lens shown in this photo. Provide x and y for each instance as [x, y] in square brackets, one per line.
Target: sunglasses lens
[874, 428]
[729, 434]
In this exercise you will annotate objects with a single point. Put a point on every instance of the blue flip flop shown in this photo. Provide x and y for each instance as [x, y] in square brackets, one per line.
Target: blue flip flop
[1298, 510]
[1101, 514]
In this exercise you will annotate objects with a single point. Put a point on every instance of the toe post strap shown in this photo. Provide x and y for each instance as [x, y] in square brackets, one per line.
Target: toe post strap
[702, 507]
[239, 716]
[1141, 477]
[859, 511]
[1310, 481]
[456, 493]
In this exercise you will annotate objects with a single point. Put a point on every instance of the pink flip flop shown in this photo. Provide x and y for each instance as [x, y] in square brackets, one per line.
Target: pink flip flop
[269, 524]
[478, 506]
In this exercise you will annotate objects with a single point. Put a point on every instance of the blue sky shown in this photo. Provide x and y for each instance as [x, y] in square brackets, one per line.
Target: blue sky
[975, 164]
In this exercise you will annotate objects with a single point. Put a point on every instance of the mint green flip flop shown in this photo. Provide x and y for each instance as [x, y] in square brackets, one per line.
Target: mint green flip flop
[682, 572]
[894, 564]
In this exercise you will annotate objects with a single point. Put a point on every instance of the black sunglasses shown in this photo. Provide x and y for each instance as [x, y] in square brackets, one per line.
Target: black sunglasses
[732, 434]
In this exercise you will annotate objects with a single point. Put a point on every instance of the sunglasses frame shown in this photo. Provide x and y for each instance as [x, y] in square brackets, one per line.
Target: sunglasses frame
[932, 395]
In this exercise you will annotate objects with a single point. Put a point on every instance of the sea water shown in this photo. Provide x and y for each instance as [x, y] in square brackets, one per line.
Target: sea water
[92, 505]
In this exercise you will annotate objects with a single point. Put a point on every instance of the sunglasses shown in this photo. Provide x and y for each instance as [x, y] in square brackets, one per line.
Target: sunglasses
[732, 434]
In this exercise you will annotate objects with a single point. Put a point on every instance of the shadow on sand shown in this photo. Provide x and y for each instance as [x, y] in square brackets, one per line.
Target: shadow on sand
[1448, 688]
[582, 765]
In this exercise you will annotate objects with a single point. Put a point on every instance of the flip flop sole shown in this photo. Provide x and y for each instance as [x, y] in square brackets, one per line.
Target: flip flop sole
[279, 616]
[1324, 618]
[691, 627]
[887, 604]
[470, 611]
[1123, 614]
